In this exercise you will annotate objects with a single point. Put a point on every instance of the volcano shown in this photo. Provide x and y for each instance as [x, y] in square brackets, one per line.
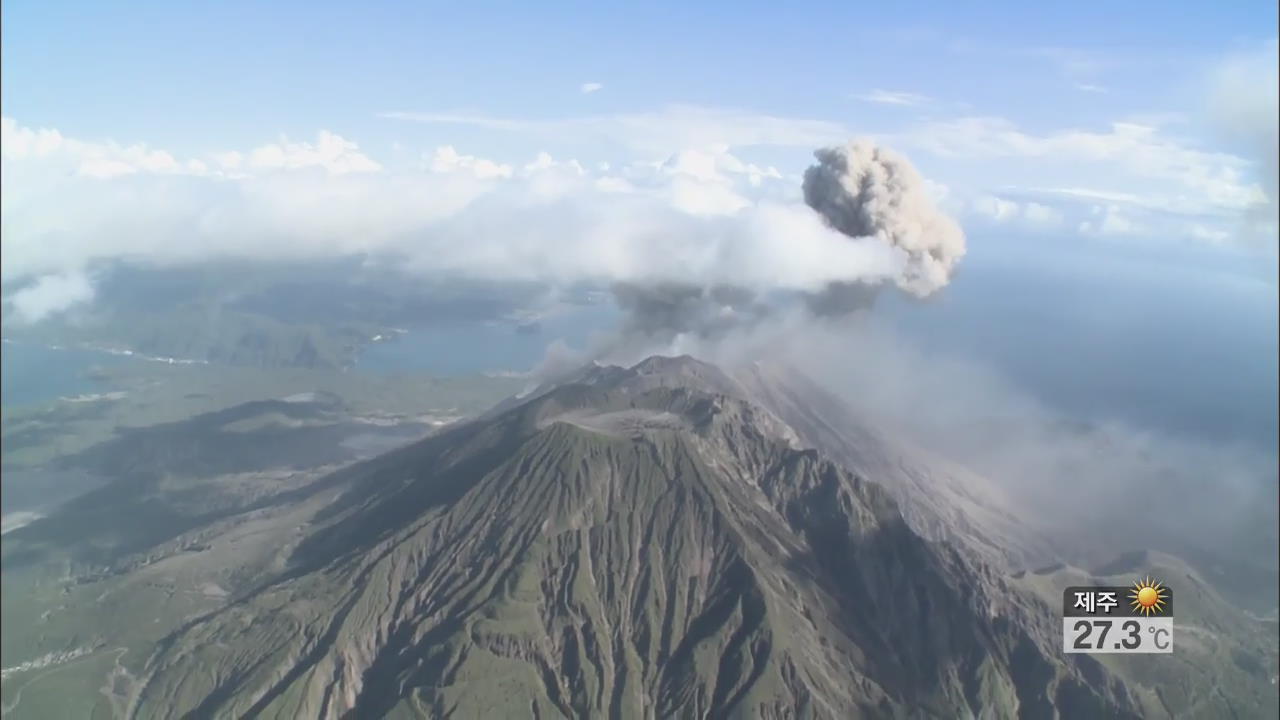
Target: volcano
[651, 541]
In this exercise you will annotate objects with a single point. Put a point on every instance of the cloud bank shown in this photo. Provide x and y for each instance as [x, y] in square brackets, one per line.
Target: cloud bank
[701, 218]
[1153, 166]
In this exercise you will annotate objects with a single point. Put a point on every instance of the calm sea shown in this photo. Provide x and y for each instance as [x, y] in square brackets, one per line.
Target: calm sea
[468, 348]
[36, 375]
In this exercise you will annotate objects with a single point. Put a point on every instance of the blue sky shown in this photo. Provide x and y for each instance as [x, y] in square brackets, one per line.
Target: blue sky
[192, 75]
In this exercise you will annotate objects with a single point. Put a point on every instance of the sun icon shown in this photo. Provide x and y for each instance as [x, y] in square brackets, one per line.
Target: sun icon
[1148, 597]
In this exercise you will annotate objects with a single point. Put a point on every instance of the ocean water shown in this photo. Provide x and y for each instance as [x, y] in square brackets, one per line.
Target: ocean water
[37, 375]
[1185, 348]
[452, 349]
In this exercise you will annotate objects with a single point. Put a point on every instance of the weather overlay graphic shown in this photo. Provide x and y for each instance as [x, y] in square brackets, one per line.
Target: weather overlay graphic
[1118, 619]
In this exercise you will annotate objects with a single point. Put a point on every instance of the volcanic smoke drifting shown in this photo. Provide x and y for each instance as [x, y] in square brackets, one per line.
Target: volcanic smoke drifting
[860, 190]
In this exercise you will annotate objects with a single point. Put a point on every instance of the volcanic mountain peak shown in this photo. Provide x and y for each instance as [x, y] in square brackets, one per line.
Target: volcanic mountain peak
[671, 394]
[687, 370]
[641, 542]
[657, 371]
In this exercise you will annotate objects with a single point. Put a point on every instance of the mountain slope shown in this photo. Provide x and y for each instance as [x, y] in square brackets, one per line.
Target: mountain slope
[639, 542]
[162, 480]
[941, 500]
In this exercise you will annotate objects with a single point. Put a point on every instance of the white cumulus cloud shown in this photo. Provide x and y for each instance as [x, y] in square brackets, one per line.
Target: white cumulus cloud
[1028, 213]
[1110, 220]
[48, 295]
[446, 159]
[995, 208]
[331, 152]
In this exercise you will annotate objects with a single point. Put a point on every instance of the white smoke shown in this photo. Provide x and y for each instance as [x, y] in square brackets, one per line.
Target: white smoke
[1209, 501]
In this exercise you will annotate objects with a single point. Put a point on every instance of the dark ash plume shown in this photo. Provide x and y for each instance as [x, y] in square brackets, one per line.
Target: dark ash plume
[860, 190]
[863, 190]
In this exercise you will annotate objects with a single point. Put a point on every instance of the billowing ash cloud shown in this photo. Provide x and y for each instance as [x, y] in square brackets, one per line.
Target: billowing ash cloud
[863, 191]
[867, 191]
